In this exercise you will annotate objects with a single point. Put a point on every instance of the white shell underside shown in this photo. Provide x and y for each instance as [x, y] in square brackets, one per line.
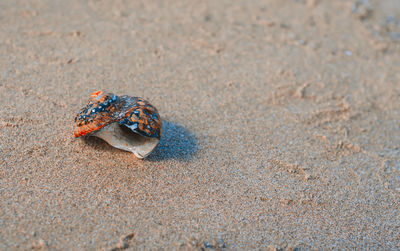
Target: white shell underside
[127, 140]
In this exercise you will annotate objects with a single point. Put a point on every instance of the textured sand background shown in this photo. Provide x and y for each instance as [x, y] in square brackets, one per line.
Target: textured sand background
[282, 124]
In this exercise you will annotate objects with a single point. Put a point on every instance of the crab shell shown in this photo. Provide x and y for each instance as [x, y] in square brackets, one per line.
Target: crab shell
[128, 123]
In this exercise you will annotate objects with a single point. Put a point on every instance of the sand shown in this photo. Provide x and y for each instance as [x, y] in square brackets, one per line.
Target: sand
[281, 125]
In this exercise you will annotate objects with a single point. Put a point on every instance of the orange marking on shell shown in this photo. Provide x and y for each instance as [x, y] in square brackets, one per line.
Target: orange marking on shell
[86, 129]
[96, 94]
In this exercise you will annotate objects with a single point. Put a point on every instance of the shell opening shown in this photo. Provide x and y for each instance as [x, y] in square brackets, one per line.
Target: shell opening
[123, 137]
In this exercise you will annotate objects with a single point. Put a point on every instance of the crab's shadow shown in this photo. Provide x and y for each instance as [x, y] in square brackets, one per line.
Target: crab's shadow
[176, 142]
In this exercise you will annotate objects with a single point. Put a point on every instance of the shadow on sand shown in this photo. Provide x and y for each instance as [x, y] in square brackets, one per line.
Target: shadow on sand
[176, 143]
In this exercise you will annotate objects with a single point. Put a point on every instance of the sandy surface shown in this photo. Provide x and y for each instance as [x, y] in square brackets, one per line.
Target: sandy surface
[282, 124]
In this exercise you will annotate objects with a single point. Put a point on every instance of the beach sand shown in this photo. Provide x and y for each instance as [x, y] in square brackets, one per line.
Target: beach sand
[281, 125]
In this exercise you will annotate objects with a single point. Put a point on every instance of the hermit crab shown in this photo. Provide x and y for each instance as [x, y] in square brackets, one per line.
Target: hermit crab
[128, 123]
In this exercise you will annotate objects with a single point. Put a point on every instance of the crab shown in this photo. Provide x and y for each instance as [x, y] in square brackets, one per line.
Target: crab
[128, 123]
